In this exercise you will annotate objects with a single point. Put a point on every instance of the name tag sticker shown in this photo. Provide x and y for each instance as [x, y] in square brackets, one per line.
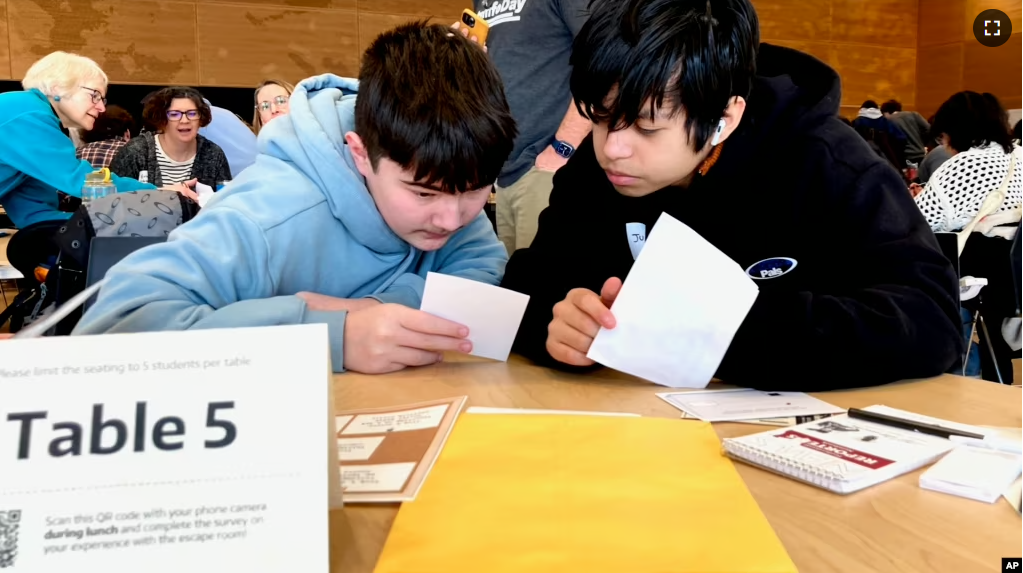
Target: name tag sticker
[636, 233]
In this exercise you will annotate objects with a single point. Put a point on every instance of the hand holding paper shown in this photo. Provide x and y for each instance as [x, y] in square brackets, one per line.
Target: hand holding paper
[204, 194]
[678, 310]
[491, 313]
[578, 319]
[388, 337]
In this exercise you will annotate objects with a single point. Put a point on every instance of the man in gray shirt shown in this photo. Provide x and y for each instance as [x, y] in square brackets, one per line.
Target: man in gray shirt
[530, 42]
[913, 125]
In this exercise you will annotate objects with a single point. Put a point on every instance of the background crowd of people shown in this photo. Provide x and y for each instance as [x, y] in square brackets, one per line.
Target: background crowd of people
[950, 163]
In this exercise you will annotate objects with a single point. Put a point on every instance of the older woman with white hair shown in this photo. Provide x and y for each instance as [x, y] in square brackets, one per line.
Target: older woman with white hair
[37, 159]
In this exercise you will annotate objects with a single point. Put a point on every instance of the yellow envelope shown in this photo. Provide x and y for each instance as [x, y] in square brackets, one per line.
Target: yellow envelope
[526, 493]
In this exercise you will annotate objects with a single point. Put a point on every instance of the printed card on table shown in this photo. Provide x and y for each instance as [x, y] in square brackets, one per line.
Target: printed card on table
[196, 451]
[386, 453]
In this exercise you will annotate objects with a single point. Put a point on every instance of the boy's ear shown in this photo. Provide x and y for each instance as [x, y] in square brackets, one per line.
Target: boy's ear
[359, 153]
[732, 116]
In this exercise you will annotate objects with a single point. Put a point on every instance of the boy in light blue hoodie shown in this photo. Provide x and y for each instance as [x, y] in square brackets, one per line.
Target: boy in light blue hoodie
[351, 201]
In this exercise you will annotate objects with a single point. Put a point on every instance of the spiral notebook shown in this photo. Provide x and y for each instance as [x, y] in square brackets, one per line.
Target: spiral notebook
[841, 454]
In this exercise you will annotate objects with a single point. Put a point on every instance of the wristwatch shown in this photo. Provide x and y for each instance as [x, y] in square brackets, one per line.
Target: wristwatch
[563, 149]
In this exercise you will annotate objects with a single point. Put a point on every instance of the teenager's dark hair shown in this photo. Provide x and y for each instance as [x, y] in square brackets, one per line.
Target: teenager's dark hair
[688, 56]
[891, 106]
[971, 119]
[432, 101]
[869, 104]
[110, 125]
[156, 104]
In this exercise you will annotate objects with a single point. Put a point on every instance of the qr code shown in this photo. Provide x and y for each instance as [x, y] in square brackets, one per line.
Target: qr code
[9, 521]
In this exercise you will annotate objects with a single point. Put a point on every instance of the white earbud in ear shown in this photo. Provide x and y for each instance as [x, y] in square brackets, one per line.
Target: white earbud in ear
[717, 132]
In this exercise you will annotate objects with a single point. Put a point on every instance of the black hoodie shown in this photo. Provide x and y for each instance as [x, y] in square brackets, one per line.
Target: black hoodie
[871, 299]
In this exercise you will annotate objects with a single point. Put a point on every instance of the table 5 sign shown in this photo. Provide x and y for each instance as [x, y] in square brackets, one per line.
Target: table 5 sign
[117, 455]
[167, 433]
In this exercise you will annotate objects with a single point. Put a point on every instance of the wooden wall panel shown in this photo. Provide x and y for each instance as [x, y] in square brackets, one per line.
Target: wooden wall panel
[371, 25]
[1012, 8]
[877, 22]
[823, 51]
[135, 41]
[939, 74]
[996, 70]
[240, 46]
[443, 10]
[950, 59]
[941, 22]
[872, 45]
[5, 52]
[284, 4]
[794, 19]
[376, 16]
[870, 72]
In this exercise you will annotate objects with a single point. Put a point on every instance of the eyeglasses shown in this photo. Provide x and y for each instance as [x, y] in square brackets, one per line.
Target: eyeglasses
[279, 101]
[175, 115]
[97, 96]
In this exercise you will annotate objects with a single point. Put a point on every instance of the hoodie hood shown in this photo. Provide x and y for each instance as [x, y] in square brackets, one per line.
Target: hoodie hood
[311, 137]
[793, 93]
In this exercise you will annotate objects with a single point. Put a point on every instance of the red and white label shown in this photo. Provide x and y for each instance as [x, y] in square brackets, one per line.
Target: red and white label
[855, 456]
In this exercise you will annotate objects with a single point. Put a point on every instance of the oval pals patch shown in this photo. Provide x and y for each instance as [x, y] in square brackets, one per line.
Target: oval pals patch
[771, 268]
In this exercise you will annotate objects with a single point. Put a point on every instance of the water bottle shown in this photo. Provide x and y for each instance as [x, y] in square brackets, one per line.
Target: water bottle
[97, 185]
[911, 170]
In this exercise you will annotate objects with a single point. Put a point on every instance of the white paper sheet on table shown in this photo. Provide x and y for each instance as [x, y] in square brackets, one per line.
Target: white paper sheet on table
[492, 314]
[678, 310]
[9, 273]
[489, 410]
[205, 193]
[743, 404]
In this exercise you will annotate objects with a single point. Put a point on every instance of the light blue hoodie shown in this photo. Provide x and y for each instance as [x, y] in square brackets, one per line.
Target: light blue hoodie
[233, 136]
[37, 160]
[299, 219]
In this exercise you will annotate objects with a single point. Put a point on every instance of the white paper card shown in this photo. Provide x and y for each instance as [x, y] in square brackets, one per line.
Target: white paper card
[678, 310]
[1013, 495]
[125, 453]
[205, 193]
[381, 477]
[417, 419]
[9, 273]
[743, 404]
[531, 411]
[357, 449]
[975, 473]
[492, 314]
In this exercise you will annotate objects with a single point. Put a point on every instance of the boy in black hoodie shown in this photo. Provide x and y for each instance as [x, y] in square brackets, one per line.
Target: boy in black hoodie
[745, 148]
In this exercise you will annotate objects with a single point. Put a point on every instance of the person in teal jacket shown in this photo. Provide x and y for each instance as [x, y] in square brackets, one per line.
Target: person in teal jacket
[352, 200]
[37, 159]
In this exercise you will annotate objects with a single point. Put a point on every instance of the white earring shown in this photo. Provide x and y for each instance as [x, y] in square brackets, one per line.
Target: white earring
[717, 132]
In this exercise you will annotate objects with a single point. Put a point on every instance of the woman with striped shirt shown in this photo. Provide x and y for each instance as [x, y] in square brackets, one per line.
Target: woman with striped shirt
[176, 153]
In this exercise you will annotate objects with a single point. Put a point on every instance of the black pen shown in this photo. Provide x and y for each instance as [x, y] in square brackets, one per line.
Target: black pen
[910, 425]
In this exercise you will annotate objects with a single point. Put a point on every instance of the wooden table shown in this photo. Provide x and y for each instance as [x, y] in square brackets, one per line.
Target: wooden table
[895, 526]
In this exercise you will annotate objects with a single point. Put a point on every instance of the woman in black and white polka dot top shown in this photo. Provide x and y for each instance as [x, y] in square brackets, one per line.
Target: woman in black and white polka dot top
[974, 128]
